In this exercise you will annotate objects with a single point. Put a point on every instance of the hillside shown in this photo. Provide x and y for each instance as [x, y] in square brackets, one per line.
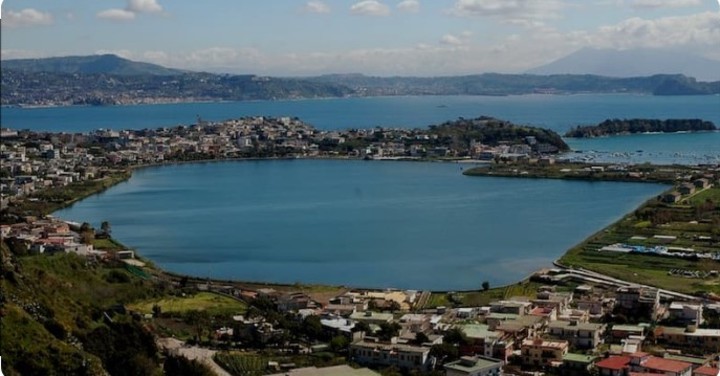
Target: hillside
[632, 63]
[611, 127]
[53, 317]
[489, 131]
[94, 64]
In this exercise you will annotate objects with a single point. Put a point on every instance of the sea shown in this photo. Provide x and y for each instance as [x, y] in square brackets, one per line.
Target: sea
[376, 224]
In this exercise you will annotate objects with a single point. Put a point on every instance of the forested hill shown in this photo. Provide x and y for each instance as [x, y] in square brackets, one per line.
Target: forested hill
[628, 126]
[107, 64]
[491, 131]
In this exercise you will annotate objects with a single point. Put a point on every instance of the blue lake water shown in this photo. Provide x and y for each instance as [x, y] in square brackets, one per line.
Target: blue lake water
[393, 224]
[355, 223]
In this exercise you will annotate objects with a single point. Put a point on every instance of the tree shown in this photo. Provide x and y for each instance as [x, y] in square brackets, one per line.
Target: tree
[388, 330]
[486, 285]
[455, 336]
[446, 352]
[421, 338]
[361, 327]
[87, 233]
[198, 320]
[105, 227]
[339, 343]
[157, 310]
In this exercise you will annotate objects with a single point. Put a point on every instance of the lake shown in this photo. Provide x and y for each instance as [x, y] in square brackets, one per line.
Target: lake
[356, 223]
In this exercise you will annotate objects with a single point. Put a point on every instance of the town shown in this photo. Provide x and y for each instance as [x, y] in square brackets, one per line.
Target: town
[561, 321]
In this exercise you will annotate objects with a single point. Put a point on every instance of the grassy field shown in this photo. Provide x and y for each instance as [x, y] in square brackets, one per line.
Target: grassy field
[107, 245]
[688, 222]
[481, 298]
[214, 304]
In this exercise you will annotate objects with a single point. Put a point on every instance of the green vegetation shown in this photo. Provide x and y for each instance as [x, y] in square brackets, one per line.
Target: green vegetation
[644, 173]
[625, 126]
[481, 298]
[691, 224]
[489, 131]
[65, 315]
[212, 303]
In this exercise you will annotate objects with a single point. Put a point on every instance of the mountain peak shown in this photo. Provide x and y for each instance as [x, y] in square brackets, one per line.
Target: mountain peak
[632, 63]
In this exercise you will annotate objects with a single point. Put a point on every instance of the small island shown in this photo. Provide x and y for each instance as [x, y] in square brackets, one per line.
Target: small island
[611, 127]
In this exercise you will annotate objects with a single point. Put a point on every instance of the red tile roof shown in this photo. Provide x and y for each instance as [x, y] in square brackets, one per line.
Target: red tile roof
[614, 362]
[665, 365]
[706, 371]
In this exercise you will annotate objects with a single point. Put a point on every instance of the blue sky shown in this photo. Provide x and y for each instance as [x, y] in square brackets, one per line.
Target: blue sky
[388, 37]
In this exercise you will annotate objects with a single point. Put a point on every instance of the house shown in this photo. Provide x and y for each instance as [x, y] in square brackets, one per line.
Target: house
[702, 183]
[619, 332]
[541, 353]
[374, 353]
[685, 313]
[477, 335]
[638, 301]
[671, 197]
[577, 364]
[642, 363]
[370, 317]
[580, 335]
[613, 366]
[706, 371]
[686, 189]
[690, 337]
[511, 307]
[293, 302]
[474, 366]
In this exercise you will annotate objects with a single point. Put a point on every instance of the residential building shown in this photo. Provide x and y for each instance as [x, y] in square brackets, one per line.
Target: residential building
[577, 364]
[474, 366]
[690, 337]
[541, 353]
[685, 313]
[580, 335]
[369, 352]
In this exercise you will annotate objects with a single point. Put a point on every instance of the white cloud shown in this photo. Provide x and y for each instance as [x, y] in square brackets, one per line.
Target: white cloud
[144, 6]
[316, 7]
[26, 17]
[653, 4]
[451, 40]
[529, 12]
[133, 8]
[409, 6]
[116, 15]
[697, 30]
[370, 8]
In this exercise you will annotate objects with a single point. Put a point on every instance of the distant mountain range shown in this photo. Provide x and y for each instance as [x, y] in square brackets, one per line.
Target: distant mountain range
[108, 80]
[633, 63]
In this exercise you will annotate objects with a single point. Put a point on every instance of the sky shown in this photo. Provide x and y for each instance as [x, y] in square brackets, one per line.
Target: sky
[377, 37]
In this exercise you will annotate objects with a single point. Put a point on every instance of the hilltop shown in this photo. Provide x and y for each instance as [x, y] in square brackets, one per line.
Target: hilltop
[94, 64]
